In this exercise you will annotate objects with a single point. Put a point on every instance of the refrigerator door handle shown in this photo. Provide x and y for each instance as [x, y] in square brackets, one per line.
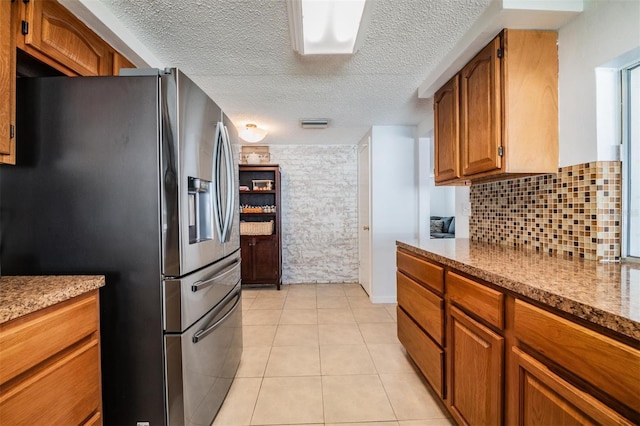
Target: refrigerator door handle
[231, 189]
[218, 147]
[199, 285]
[201, 334]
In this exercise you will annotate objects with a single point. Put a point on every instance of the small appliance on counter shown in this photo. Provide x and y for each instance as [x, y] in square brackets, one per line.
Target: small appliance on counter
[132, 177]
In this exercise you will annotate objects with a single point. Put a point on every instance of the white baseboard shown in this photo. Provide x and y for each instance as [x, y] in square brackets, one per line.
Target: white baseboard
[383, 299]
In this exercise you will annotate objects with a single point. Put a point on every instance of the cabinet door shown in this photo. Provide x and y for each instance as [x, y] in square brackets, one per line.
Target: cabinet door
[447, 130]
[476, 364]
[55, 34]
[260, 259]
[246, 254]
[265, 259]
[480, 113]
[7, 82]
[544, 398]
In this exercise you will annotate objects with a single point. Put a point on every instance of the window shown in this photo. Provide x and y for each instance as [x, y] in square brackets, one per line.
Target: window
[630, 79]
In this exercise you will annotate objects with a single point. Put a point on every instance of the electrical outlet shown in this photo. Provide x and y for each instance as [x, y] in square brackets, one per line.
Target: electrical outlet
[466, 209]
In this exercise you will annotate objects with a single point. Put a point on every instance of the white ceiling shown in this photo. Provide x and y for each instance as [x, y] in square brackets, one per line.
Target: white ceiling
[239, 51]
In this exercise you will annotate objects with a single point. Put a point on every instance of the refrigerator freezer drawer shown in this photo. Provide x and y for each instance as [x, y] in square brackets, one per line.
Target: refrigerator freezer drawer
[187, 299]
[202, 362]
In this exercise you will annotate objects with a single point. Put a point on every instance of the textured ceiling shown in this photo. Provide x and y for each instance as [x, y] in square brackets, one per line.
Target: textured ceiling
[239, 51]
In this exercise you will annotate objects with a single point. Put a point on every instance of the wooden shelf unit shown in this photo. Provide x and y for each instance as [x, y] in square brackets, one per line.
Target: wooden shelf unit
[261, 254]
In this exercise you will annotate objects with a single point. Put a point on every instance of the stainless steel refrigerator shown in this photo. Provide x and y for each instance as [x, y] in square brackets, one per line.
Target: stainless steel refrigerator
[133, 177]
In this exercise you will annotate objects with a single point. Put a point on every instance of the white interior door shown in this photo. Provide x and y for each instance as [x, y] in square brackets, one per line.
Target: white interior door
[364, 235]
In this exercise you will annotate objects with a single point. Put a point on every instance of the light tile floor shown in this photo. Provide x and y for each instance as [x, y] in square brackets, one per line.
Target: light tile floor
[323, 354]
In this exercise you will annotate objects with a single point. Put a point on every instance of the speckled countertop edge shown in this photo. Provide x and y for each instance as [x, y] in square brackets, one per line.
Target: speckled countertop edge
[22, 295]
[616, 321]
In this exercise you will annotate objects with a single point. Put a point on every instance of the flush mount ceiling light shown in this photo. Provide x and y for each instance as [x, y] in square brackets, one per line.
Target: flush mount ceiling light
[325, 27]
[314, 123]
[252, 133]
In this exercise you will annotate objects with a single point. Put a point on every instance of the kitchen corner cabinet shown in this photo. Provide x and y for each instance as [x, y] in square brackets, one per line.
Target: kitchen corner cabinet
[45, 32]
[504, 360]
[50, 365]
[507, 110]
[260, 235]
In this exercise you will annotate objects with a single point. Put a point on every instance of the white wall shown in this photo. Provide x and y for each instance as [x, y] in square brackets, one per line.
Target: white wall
[394, 203]
[437, 200]
[425, 185]
[443, 201]
[604, 31]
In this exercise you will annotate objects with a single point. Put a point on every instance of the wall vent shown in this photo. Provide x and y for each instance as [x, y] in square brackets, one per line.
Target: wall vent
[315, 123]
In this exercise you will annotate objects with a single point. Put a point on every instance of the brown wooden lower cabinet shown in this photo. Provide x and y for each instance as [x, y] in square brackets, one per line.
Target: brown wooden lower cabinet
[544, 398]
[260, 259]
[505, 361]
[476, 355]
[50, 365]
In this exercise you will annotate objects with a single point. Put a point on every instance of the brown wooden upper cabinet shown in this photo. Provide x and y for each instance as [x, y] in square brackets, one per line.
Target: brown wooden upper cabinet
[7, 82]
[52, 34]
[505, 113]
[119, 62]
[447, 130]
[45, 32]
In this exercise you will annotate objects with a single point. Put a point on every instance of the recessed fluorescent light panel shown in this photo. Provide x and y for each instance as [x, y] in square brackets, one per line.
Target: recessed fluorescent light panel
[328, 27]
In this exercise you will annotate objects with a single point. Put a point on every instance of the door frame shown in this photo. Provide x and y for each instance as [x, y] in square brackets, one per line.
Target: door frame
[364, 259]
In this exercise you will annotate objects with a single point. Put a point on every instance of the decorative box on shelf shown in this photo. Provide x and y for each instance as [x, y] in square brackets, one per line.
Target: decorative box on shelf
[255, 155]
[262, 185]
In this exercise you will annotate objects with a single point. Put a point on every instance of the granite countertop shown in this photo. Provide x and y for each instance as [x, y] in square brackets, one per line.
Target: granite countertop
[22, 295]
[607, 294]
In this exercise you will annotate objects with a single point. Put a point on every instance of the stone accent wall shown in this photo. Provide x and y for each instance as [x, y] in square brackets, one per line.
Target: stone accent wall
[576, 212]
[319, 212]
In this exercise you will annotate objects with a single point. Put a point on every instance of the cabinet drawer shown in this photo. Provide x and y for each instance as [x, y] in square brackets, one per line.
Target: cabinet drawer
[64, 393]
[579, 349]
[424, 272]
[482, 301]
[427, 355]
[422, 305]
[32, 339]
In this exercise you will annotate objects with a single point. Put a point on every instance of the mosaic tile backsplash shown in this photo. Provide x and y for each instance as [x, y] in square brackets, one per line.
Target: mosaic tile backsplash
[575, 213]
